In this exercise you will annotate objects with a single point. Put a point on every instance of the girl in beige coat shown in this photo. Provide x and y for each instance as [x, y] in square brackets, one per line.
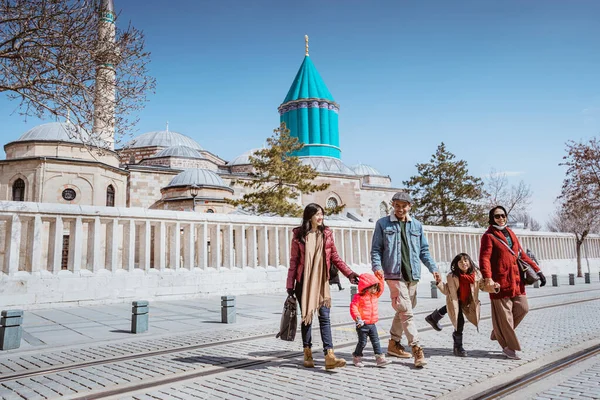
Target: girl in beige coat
[462, 299]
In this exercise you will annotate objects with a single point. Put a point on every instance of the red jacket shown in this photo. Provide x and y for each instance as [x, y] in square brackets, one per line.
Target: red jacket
[365, 305]
[297, 259]
[497, 262]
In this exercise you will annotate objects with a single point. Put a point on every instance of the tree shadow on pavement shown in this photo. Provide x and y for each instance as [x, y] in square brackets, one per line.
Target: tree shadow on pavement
[433, 351]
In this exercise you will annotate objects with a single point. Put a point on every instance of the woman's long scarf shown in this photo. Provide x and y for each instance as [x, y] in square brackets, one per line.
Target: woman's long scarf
[315, 288]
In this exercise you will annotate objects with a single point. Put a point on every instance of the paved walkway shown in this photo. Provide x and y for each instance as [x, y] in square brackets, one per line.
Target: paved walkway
[81, 332]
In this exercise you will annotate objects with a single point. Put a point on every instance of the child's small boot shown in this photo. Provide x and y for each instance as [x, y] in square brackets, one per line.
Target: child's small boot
[459, 351]
[332, 362]
[308, 360]
[433, 319]
[381, 361]
[357, 361]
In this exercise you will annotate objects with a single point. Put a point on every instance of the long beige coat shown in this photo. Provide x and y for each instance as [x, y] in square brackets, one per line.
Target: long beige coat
[472, 308]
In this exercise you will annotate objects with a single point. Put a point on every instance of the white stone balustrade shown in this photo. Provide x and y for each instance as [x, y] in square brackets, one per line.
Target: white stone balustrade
[59, 254]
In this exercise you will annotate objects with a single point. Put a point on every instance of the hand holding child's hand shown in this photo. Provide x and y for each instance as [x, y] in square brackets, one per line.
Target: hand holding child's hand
[379, 273]
[437, 277]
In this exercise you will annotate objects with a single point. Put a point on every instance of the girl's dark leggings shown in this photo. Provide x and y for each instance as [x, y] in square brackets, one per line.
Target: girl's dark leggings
[460, 323]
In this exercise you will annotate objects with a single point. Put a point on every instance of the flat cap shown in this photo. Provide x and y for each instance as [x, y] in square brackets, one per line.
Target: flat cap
[402, 196]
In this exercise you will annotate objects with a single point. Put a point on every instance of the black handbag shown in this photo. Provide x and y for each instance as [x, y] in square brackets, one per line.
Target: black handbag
[528, 275]
[289, 320]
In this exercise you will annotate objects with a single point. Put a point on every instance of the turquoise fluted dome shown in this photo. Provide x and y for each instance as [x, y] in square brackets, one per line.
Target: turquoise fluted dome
[311, 114]
[308, 84]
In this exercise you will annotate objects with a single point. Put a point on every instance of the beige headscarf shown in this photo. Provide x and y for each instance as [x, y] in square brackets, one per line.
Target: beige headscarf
[315, 288]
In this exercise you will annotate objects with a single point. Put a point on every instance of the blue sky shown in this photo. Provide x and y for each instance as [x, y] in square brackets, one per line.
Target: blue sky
[503, 83]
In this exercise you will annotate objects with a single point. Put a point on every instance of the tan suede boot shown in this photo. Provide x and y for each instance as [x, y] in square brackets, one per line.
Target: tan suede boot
[308, 360]
[397, 350]
[332, 362]
[419, 356]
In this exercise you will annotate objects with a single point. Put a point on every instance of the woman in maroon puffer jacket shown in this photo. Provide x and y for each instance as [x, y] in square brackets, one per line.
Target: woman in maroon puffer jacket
[313, 252]
[498, 264]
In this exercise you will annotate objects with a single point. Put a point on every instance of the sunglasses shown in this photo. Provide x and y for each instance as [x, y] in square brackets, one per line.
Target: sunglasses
[496, 216]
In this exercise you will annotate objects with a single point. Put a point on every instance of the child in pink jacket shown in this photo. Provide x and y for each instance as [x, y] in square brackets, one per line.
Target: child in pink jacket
[364, 310]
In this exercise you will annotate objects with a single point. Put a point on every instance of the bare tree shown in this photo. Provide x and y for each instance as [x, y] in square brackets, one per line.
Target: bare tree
[582, 180]
[515, 198]
[50, 51]
[578, 219]
[527, 220]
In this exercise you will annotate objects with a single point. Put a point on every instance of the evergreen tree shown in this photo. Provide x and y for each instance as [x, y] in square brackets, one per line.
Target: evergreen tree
[279, 177]
[444, 193]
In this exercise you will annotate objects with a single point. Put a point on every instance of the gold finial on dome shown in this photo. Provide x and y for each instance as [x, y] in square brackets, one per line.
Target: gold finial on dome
[306, 40]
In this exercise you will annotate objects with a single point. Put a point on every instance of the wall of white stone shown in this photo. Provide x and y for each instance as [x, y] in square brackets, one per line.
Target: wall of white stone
[124, 254]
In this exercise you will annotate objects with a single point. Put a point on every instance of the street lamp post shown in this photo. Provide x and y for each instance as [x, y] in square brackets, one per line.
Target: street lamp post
[194, 192]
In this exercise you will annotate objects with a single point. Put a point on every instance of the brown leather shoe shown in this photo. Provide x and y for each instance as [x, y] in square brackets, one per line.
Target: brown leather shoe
[397, 350]
[332, 362]
[419, 356]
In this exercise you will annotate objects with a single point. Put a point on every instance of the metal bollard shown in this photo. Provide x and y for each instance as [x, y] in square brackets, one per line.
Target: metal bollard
[228, 309]
[554, 280]
[571, 279]
[139, 317]
[434, 290]
[536, 284]
[353, 291]
[587, 277]
[10, 329]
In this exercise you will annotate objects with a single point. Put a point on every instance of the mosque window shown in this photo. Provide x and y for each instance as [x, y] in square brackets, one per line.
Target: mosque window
[332, 202]
[19, 190]
[69, 194]
[383, 210]
[110, 196]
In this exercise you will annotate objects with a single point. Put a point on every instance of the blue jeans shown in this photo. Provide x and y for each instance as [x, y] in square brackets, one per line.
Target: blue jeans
[324, 325]
[370, 331]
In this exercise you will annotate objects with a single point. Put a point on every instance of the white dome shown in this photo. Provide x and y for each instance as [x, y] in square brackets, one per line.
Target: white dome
[178, 151]
[162, 139]
[363, 169]
[327, 165]
[197, 176]
[55, 131]
[243, 159]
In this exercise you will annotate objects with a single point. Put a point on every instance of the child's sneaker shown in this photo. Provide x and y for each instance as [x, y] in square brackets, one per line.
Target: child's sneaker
[381, 361]
[357, 361]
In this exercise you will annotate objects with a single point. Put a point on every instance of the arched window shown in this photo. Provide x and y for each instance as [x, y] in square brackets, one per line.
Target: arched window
[383, 210]
[210, 211]
[332, 202]
[19, 190]
[110, 196]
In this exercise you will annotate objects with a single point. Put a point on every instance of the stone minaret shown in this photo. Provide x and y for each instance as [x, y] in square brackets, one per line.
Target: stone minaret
[104, 100]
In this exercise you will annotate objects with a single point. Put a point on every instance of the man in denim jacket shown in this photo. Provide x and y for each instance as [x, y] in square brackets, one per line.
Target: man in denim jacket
[399, 246]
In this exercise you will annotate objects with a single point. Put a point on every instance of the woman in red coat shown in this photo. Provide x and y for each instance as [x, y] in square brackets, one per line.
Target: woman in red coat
[498, 264]
[313, 252]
